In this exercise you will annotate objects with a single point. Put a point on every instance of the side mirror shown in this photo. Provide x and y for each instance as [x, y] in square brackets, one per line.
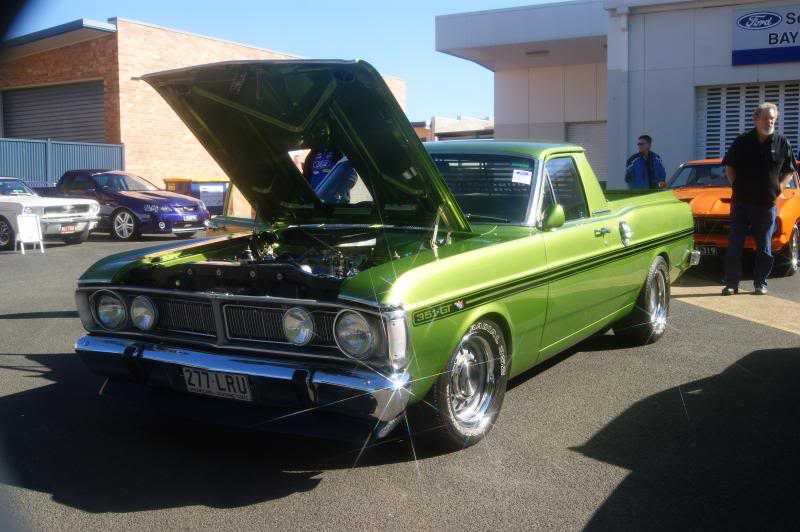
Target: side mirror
[553, 217]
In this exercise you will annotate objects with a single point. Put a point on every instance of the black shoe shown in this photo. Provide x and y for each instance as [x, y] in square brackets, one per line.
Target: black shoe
[730, 290]
[761, 291]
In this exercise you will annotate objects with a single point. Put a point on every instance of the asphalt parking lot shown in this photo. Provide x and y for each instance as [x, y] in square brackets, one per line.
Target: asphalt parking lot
[700, 430]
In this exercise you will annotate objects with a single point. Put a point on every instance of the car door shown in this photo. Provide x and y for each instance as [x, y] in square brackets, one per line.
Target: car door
[582, 289]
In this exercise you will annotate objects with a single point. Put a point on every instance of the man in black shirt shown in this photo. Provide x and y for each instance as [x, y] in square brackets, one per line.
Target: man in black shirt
[759, 164]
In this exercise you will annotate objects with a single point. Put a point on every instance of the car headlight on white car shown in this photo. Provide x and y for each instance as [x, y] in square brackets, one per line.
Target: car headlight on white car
[143, 313]
[94, 208]
[27, 210]
[298, 326]
[110, 311]
[357, 336]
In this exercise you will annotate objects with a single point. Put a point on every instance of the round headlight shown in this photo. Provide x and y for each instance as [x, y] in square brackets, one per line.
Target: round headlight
[27, 210]
[143, 313]
[354, 335]
[110, 311]
[298, 326]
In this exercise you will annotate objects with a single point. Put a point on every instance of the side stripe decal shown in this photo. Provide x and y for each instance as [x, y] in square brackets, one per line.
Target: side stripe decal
[499, 291]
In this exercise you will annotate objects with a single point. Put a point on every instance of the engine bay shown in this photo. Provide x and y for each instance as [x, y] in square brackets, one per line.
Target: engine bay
[293, 263]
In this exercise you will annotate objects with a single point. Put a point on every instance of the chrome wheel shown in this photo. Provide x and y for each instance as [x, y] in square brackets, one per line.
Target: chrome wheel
[124, 225]
[658, 303]
[5, 234]
[472, 382]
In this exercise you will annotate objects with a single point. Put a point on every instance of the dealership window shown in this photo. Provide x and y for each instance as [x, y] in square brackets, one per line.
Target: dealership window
[724, 112]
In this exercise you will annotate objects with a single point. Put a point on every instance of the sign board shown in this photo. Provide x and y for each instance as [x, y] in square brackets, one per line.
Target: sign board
[29, 230]
[766, 35]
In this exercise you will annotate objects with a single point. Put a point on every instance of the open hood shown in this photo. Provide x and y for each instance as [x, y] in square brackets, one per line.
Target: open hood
[250, 114]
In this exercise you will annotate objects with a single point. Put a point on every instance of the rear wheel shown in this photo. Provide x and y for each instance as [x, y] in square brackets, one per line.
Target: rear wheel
[787, 261]
[466, 398]
[648, 320]
[6, 234]
[124, 225]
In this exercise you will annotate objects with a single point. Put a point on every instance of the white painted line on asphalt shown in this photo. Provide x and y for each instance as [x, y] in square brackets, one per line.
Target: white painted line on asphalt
[766, 310]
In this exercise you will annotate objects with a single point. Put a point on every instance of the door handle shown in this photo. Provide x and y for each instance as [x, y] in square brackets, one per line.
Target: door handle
[602, 231]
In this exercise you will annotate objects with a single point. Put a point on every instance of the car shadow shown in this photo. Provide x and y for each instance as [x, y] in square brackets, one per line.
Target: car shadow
[715, 453]
[102, 456]
[106, 237]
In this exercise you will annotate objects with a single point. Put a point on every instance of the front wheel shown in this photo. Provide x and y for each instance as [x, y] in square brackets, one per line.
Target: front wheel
[124, 225]
[6, 234]
[648, 320]
[466, 398]
[787, 261]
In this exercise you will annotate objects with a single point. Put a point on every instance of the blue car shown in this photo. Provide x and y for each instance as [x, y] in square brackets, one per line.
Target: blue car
[131, 205]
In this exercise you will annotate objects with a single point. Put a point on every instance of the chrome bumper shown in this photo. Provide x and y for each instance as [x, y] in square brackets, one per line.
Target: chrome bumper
[52, 226]
[288, 384]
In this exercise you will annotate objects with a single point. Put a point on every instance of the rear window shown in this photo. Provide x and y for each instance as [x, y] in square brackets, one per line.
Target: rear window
[489, 188]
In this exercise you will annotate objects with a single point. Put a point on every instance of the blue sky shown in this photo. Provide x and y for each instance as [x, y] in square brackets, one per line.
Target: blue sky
[397, 37]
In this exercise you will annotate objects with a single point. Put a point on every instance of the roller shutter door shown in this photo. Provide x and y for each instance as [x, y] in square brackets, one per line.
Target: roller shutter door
[593, 136]
[71, 112]
[726, 111]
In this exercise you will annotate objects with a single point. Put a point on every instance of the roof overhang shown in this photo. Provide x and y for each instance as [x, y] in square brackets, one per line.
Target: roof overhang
[55, 37]
[529, 36]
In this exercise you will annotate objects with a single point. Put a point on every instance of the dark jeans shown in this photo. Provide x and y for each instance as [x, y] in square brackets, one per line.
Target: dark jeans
[761, 222]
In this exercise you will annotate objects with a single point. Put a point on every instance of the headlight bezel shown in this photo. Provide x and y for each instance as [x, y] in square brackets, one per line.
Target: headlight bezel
[148, 303]
[94, 307]
[308, 316]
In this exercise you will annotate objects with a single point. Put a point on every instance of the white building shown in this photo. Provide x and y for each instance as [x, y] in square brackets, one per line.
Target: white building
[601, 73]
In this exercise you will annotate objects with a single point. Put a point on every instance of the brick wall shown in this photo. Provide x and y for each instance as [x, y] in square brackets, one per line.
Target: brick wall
[157, 144]
[90, 60]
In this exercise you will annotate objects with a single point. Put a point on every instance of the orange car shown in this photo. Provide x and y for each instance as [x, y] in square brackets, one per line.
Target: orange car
[703, 185]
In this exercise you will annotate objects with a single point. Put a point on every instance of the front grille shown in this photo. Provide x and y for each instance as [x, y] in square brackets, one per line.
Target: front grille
[67, 209]
[192, 317]
[262, 324]
[186, 208]
[712, 226]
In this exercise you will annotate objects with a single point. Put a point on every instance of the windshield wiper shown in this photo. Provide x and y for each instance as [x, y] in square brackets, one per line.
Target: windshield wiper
[470, 216]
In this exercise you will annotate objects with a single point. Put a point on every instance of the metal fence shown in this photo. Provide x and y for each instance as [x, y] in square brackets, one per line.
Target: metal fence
[41, 162]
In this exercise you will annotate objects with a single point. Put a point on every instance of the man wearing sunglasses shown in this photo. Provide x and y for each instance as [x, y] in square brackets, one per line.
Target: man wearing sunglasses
[644, 169]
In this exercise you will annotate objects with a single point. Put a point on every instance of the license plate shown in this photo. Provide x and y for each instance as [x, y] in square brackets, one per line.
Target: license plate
[68, 228]
[189, 217]
[707, 250]
[226, 385]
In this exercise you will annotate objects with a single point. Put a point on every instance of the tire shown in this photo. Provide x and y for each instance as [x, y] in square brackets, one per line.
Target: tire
[7, 236]
[184, 236]
[647, 322]
[124, 225]
[787, 261]
[465, 401]
[78, 238]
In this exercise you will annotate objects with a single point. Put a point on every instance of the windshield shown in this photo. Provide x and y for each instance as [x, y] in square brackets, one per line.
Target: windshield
[705, 175]
[491, 188]
[14, 187]
[122, 182]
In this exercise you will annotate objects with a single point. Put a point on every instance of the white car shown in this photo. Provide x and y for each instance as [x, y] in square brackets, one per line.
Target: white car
[69, 219]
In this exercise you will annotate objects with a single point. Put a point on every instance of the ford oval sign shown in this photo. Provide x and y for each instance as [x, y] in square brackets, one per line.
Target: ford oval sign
[759, 21]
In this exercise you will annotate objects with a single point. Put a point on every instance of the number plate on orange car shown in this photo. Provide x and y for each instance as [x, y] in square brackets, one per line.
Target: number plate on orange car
[227, 385]
[707, 250]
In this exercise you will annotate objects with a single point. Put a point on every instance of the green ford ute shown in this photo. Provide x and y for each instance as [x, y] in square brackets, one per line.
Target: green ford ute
[404, 290]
